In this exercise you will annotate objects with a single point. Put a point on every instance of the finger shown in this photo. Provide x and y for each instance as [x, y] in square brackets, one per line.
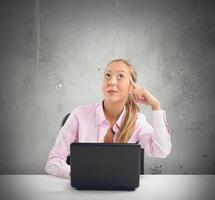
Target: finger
[141, 98]
[136, 99]
[133, 96]
[132, 82]
[141, 101]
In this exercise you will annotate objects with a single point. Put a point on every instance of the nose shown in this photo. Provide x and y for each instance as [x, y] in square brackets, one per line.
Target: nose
[113, 81]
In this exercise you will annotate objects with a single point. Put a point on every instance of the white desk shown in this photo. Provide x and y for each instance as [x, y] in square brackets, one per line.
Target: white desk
[152, 187]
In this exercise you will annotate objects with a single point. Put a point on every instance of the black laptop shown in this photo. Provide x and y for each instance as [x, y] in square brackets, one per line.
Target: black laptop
[105, 166]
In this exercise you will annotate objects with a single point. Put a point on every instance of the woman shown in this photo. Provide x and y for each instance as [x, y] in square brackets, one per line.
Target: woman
[115, 120]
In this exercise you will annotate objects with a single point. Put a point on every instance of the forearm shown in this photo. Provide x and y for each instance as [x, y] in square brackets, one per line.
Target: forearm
[156, 106]
[58, 167]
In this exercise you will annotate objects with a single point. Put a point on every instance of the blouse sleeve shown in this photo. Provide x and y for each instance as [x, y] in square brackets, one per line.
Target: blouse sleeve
[56, 164]
[155, 138]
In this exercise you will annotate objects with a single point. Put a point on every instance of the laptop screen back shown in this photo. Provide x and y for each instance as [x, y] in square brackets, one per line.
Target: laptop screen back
[105, 165]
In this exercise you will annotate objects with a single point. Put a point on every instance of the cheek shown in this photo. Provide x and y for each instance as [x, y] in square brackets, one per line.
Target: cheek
[104, 85]
[124, 87]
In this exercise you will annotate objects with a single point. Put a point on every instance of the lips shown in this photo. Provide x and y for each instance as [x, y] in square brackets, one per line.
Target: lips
[111, 91]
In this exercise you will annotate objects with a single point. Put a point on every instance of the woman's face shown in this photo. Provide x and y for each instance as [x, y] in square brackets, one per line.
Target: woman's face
[116, 82]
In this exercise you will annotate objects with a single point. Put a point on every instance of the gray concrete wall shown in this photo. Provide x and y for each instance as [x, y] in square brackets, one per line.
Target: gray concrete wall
[52, 54]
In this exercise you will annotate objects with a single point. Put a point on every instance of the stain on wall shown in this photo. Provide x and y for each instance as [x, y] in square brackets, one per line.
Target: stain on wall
[156, 170]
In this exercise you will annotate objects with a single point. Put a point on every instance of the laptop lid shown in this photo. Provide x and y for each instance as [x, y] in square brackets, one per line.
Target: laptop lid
[105, 165]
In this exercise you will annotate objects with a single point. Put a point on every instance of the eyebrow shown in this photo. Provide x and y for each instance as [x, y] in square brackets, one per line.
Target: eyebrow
[117, 71]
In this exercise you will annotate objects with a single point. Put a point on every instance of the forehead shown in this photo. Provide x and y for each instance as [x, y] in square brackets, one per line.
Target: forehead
[117, 66]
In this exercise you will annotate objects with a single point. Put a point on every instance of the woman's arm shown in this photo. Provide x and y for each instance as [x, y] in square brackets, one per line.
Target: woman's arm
[154, 139]
[56, 164]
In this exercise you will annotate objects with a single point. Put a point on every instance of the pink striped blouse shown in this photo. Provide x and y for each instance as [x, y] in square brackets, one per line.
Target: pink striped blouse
[88, 124]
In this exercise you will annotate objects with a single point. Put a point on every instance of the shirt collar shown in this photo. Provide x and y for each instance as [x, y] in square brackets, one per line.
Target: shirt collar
[100, 116]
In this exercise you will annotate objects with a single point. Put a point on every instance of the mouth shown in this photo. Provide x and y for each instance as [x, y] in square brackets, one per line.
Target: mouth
[111, 91]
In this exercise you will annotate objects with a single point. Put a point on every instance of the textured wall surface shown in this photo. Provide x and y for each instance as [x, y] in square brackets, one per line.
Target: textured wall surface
[52, 55]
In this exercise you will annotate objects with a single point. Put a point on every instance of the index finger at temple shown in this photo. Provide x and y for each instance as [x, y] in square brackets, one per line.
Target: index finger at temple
[132, 82]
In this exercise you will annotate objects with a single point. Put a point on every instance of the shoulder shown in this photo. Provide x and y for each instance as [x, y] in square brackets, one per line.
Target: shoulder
[142, 122]
[140, 116]
[85, 109]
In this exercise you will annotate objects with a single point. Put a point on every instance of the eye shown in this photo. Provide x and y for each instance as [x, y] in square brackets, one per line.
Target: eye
[107, 76]
[121, 76]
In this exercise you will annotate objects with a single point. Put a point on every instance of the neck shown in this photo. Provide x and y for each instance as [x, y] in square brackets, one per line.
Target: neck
[112, 111]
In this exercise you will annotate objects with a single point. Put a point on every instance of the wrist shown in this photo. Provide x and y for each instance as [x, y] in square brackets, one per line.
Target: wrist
[156, 107]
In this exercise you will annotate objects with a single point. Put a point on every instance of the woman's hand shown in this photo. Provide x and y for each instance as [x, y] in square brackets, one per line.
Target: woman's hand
[142, 95]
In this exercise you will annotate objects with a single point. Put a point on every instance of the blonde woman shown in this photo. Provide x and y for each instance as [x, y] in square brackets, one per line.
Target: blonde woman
[114, 120]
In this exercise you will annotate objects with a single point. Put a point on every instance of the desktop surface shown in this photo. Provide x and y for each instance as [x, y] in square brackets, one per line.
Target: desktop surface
[152, 187]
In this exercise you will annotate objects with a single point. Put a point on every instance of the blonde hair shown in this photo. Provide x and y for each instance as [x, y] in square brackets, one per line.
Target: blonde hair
[128, 125]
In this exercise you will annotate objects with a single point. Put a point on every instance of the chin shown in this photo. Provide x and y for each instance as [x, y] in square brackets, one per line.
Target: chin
[113, 99]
